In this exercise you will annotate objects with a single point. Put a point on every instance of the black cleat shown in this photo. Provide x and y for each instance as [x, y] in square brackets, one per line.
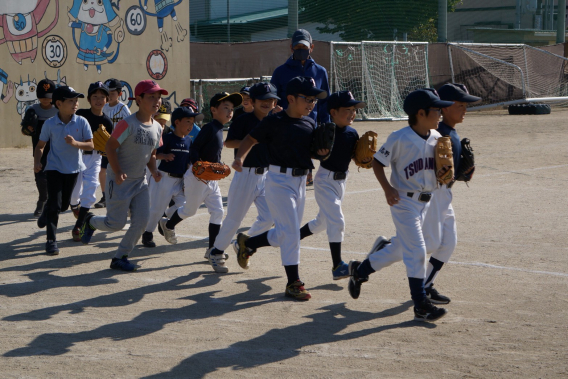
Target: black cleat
[355, 281]
[435, 297]
[427, 312]
[148, 239]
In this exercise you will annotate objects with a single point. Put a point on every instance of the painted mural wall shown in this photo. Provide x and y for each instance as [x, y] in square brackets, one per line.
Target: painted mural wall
[77, 42]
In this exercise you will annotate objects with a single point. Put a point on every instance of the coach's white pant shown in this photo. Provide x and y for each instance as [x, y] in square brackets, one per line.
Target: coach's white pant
[160, 195]
[329, 194]
[87, 181]
[286, 197]
[408, 217]
[197, 193]
[247, 187]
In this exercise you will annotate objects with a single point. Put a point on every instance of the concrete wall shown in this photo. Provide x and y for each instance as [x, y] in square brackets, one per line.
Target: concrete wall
[40, 38]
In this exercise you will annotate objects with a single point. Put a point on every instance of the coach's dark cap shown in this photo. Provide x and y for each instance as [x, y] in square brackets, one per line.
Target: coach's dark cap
[264, 91]
[45, 89]
[183, 112]
[64, 92]
[424, 98]
[165, 111]
[245, 90]
[343, 99]
[304, 85]
[114, 84]
[234, 98]
[93, 87]
[456, 92]
[302, 36]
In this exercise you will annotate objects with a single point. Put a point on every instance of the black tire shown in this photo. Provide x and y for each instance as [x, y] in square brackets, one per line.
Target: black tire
[524, 109]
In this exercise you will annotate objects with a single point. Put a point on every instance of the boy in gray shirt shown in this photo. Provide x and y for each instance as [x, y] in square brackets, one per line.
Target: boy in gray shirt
[131, 147]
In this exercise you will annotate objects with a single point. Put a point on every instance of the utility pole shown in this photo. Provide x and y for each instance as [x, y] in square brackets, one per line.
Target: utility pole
[292, 17]
[561, 26]
[229, 21]
[442, 20]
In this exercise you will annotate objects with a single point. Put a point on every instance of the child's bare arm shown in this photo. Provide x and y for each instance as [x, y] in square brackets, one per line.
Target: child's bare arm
[391, 193]
[110, 148]
[233, 143]
[87, 145]
[38, 152]
[152, 167]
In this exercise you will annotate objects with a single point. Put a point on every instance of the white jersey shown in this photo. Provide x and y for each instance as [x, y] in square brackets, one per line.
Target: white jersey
[116, 113]
[412, 159]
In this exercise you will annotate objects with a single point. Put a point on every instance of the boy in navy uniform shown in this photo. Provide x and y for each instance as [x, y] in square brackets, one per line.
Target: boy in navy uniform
[68, 134]
[288, 135]
[206, 147]
[192, 104]
[246, 106]
[329, 182]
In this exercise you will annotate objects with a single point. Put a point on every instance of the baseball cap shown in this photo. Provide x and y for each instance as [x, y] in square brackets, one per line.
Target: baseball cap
[263, 91]
[64, 93]
[191, 103]
[114, 84]
[306, 86]
[147, 86]
[183, 112]
[164, 111]
[302, 36]
[456, 92]
[45, 89]
[343, 99]
[234, 98]
[97, 86]
[245, 90]
[423, 99]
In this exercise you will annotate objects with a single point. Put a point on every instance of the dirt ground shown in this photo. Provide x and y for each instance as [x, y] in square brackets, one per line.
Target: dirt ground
[71, 316]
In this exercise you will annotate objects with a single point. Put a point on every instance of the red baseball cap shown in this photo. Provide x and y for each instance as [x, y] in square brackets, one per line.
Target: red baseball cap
[147, 86]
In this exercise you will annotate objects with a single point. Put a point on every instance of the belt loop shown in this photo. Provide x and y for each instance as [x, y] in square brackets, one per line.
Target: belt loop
[282, 169]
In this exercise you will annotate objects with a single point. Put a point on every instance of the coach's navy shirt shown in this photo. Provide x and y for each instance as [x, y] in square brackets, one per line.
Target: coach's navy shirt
[446, 130]
[288, 139]
[240, 128]
[345, 140]
[179, 147]
[208, 143]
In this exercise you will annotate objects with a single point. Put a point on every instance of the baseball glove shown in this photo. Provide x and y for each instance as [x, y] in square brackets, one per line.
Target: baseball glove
[100, 138]
[444, 158]
[323, 138]
[206, 171]
[29, 121]
[365, 148]
[467, 162]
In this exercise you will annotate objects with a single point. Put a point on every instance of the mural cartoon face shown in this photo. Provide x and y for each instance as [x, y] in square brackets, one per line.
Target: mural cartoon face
[25, 94]
[19, 20]
[92, 13]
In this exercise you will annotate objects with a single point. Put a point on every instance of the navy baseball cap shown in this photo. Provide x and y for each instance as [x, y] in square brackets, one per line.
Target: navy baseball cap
[245, 90]
[304, 85]
[343, 99]
[65, 92]
[264, 91]
[302, 36]
[456, 92]
[423, 99]
[234, 98]
[114, 84]
[98, 86]
[183, 112]
[45, 89]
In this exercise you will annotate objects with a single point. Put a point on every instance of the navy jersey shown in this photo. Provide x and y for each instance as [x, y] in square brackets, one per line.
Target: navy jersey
[240, 128]
[288, 139]
[208, 144]
[179, 147]
[345, 140]
[446, 130]
[95, 121]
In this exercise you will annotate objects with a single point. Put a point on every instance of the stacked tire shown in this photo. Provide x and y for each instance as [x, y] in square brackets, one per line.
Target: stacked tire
[530, 108]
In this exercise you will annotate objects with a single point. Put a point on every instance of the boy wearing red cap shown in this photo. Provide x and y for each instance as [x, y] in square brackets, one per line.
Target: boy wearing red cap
[130, 149]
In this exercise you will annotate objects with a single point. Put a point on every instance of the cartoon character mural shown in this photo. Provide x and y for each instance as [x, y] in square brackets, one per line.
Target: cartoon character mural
[95, 18]
[19, 20]
[61, 81]
[26, 95]
[9, 87]
[165, 8]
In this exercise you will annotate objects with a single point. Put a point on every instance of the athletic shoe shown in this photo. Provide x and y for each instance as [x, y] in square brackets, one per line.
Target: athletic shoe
[39, 208]
[435, 297]
[87, 230]
[101, 203]
[309, 181]
[122, 264]
[148, 239]
[42, 220]
[243, 252]
[160, 229]
[217, 261]
[169, 234]
[206, 256]
[380, 242]
[341, 271]
[355, 282]
[76, 234]
[75, 210]
[297, 291]
[428, 312]
[51, 248]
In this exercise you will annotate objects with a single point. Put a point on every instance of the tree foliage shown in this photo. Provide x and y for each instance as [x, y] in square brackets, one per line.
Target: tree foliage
[359, 20]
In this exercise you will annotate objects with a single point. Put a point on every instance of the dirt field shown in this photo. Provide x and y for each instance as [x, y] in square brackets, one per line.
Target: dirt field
[71, 316]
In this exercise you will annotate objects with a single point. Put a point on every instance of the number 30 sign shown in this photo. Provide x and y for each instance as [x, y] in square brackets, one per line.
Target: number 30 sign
[54, 51]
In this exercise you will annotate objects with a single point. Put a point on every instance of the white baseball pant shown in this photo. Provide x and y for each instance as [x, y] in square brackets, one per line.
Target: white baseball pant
[87, 181]
[161, 193]
[197, 193]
